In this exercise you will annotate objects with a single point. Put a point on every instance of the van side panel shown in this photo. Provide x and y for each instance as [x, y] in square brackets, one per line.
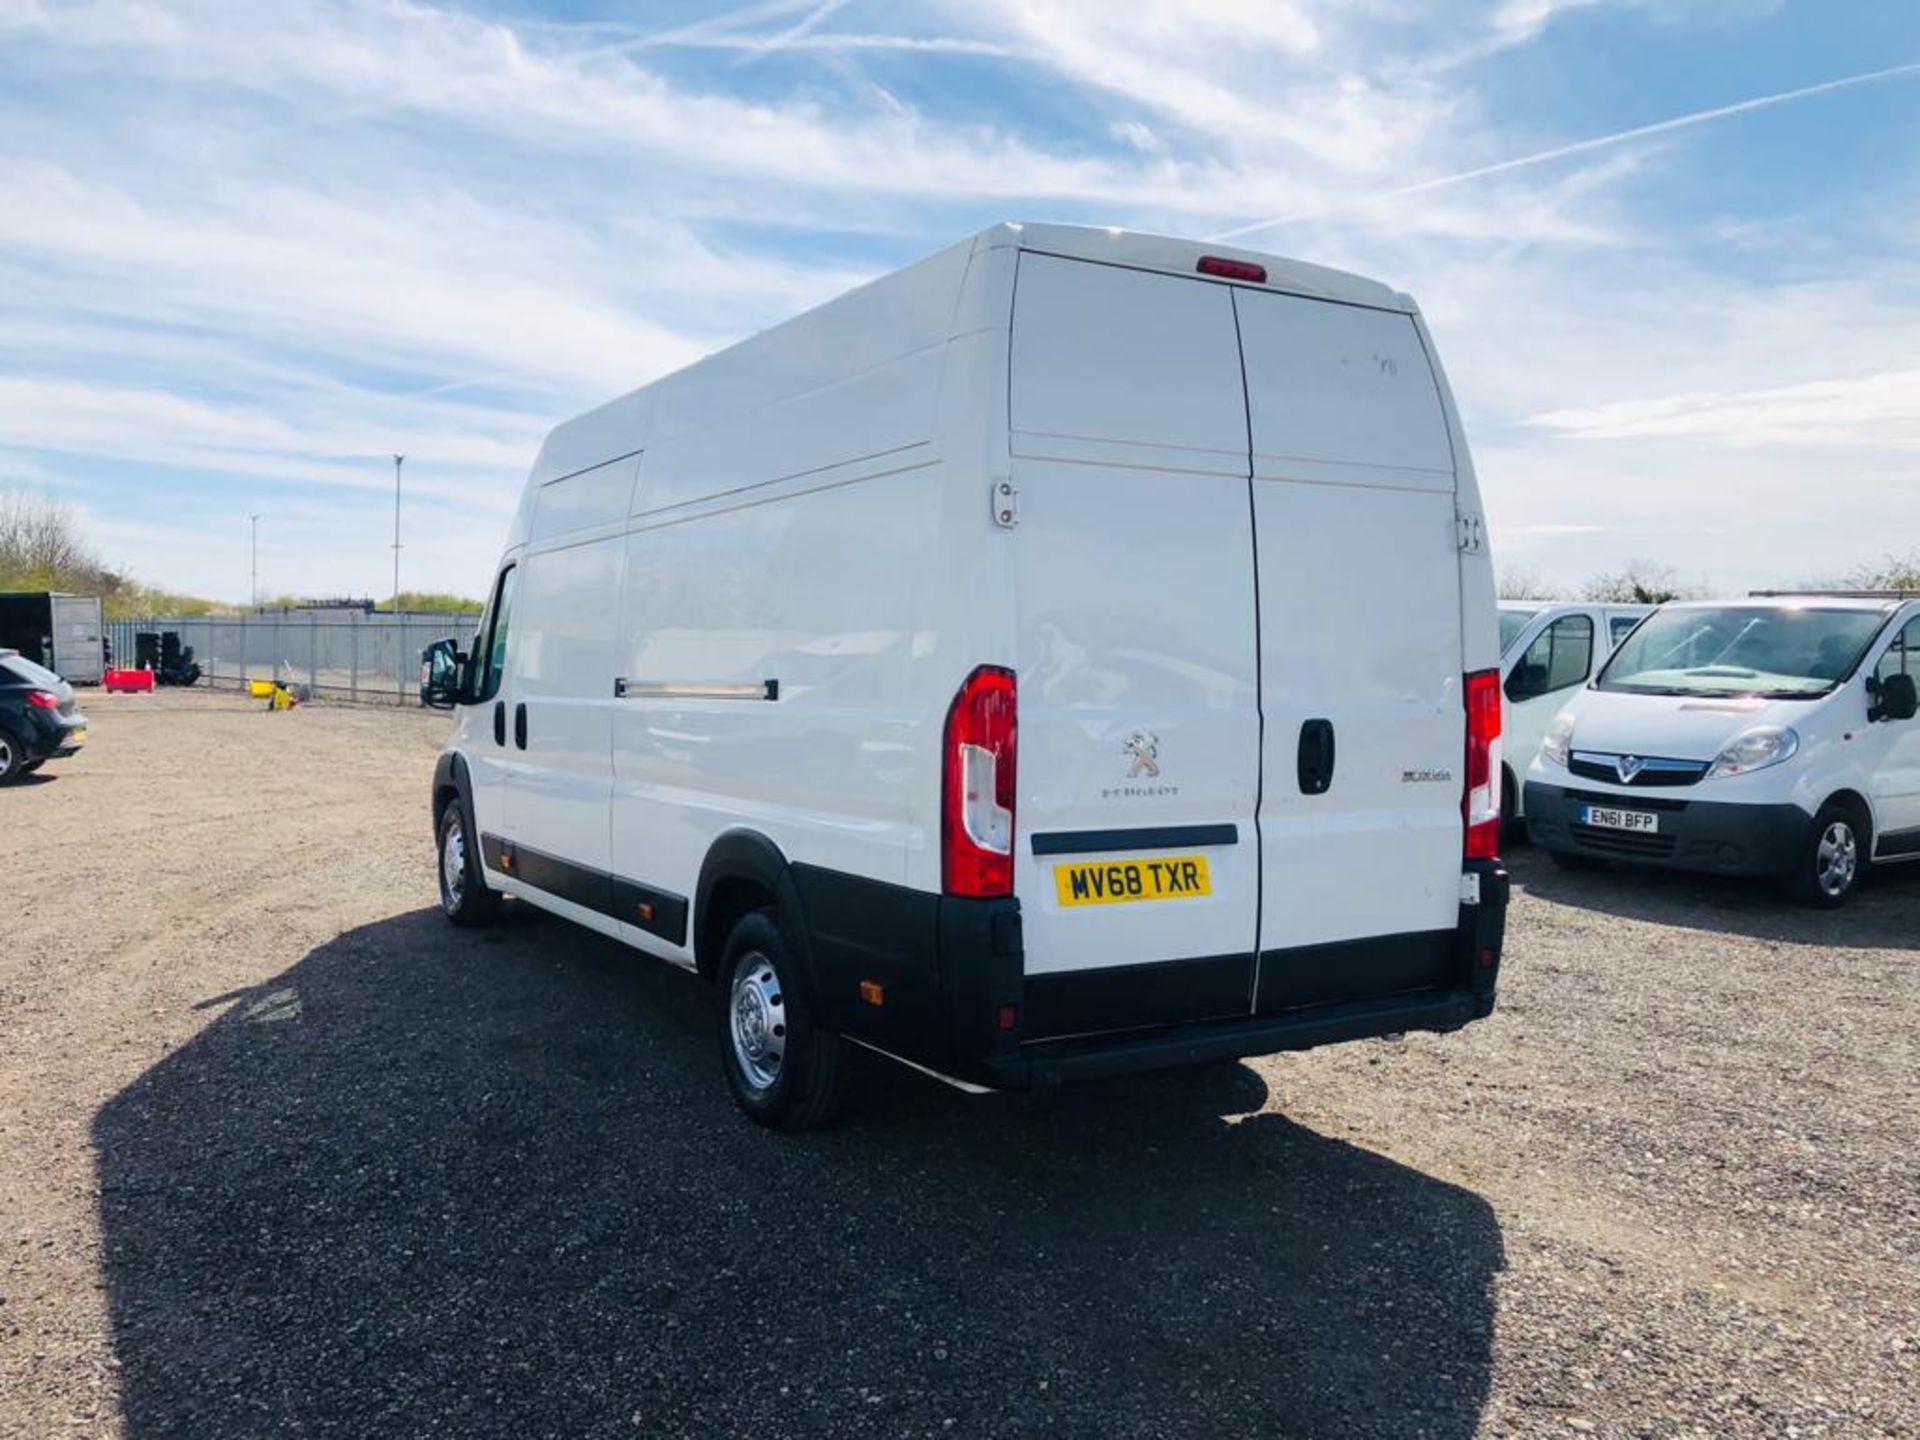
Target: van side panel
[811, 592]
[558, 662]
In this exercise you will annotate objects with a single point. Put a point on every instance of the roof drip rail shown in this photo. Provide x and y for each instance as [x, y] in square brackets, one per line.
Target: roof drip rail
[1834, 594]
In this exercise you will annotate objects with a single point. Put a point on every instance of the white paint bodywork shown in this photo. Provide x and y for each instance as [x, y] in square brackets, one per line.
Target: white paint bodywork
[1238, 508]
[1523, 723]
[1840, 749]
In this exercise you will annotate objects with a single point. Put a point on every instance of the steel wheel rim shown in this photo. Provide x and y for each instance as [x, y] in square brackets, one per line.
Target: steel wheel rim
[757, 1022]
[1838, 858]
[453, 863]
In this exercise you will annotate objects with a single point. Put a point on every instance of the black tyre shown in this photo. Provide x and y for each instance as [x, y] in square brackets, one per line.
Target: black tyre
[28, 767]
[1832, 858]
[464, 896]
[1513, 830]
[783, 1071]
[13, 757]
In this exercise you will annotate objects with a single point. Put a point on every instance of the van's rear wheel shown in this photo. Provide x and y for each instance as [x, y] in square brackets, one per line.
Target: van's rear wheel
[783, 1071]
[464, 896]
[12, 754]
[1832, 858]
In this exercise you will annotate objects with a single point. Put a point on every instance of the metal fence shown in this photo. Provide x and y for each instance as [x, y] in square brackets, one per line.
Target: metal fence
[338, 655]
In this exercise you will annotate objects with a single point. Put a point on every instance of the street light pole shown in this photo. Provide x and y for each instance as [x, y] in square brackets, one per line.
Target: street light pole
[397, 460]
[255, 520]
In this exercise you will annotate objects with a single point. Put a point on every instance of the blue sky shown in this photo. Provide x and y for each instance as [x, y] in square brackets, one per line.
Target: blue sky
[246, 252]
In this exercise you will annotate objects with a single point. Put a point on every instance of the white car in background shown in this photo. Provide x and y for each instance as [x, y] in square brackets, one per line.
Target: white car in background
[1548, 650]
[1771, 736]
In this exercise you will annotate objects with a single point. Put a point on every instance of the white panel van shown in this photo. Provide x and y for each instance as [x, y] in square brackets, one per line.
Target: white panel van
[1771, 736]
[1548, 650]
[1072, 654]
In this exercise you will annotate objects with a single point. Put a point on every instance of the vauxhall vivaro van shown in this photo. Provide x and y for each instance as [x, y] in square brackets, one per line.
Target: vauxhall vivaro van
[1073, 654]
[1548, 650]
[1772, 736]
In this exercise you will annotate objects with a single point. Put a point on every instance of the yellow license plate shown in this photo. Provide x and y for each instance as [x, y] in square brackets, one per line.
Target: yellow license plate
[77, 737]
[1114, 882]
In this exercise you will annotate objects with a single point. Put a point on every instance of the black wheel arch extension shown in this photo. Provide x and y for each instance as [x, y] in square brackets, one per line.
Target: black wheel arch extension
[450, 777]
[745, 871]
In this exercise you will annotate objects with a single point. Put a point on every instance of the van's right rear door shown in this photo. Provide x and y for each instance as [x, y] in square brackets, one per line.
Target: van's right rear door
[1136, 656]
[1360, 652]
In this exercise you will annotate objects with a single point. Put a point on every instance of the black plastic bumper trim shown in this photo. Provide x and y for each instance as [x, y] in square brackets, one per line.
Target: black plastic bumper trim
[1066, 1061]
[1716, 836]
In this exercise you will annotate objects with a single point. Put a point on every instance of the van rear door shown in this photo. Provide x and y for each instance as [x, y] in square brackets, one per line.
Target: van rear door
[1360, 651]
[1136, 653]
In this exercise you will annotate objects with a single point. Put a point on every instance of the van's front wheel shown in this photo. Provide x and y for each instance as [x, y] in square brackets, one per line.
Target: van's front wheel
[1832, 858]
[464, 896]
[783, 1071]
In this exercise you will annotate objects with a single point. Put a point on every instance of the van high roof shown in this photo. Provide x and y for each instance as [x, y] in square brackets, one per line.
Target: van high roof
[1182, 257]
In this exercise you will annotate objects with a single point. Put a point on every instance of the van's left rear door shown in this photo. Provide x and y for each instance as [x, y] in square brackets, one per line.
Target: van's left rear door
[1135, 854]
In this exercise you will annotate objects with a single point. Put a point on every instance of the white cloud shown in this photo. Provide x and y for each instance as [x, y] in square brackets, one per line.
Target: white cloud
[303, 235]
[1881, 409]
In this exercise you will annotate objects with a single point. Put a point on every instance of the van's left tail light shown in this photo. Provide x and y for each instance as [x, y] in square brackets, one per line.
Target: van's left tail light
[43, 699]
[1481, 806]
[977, 786]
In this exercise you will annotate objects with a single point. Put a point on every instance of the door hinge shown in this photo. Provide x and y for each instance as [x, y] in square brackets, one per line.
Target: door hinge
[1006, 504]
[1467, 528]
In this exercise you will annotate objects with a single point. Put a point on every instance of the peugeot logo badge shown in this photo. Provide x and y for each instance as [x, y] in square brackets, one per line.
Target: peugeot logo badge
[1142, 750]
[1628, 766]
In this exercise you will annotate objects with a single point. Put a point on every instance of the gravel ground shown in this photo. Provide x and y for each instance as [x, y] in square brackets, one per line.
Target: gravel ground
[282, 1154]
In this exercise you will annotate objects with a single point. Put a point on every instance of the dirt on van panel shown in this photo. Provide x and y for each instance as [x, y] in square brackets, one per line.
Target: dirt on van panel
[281, 1153]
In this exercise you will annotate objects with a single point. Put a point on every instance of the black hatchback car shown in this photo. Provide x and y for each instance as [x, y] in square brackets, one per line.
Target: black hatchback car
[38, 719]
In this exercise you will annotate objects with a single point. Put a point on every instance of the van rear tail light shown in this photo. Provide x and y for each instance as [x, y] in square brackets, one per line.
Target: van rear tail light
[1232, 269]
[43, 699]
[977, 786]
[1481, 805]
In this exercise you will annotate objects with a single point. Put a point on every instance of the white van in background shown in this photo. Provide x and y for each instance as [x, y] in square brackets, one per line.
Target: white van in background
[1772, 736]
[967, 669]
[1548, 650]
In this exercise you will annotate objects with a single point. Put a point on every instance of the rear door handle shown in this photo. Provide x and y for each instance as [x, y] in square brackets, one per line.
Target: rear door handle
[1316, 757]
[520, 726]
[499, 722]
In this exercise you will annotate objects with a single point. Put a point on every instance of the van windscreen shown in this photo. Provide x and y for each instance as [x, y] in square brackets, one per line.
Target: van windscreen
[1771, 651]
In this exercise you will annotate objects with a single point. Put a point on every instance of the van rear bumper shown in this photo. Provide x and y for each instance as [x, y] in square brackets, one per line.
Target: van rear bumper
[1317, 995]
[1064, 1061]
[950, 991]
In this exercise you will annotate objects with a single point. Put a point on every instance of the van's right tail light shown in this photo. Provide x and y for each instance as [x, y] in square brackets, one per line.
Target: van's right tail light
[1481, 805]
[977, 786]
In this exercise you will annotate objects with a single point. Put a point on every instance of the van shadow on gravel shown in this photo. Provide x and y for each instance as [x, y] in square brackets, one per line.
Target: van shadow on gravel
[1883, 915]
[429, 1182]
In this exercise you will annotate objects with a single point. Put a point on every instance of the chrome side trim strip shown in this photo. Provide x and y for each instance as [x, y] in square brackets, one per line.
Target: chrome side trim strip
[625, 689]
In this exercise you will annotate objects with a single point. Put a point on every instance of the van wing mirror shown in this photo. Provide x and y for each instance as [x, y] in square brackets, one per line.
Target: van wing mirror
[1895, 698]
[440, 676]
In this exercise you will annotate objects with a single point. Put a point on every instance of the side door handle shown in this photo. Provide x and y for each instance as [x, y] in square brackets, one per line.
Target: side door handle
[520, 726]
[500, 722]
[1316, 757]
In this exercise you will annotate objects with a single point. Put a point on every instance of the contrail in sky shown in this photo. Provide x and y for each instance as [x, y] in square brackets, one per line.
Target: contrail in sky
[1580, 147]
